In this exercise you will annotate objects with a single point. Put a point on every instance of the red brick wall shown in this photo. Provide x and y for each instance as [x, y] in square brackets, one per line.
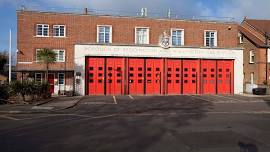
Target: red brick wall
[259, 67]
[83, 29]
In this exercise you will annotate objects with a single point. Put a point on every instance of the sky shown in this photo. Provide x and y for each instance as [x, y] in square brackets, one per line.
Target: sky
[237, 9]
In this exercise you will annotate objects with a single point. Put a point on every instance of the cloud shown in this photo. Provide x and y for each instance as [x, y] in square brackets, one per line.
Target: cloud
[180, 7]
[249, 8]
[229, 8]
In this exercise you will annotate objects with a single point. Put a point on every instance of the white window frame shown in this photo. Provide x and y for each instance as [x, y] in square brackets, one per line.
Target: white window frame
[182, 36]
[251, 54]
[41, 78]
[55, 26]
[42, 35]
[57, 55]
[148, 35]
[59, 79]
[215, 37]
[37, 55]
[240, 36]
[110, 38]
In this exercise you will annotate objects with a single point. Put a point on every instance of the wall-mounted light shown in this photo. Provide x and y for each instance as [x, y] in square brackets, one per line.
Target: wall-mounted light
[19, 52]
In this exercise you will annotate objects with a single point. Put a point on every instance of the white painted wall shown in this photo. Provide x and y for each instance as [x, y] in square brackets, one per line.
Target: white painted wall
[82, 51]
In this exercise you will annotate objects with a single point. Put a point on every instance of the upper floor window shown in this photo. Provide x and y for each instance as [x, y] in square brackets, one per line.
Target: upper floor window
[210, 38]
[251, 56]
[38, 59]
[177, 37]
[240, 36]
[104, 34]
[60, 55]
[59, 30]
[42, 30]
[142, 35]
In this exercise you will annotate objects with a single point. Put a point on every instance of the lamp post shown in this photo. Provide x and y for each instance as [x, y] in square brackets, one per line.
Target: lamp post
[9, 66]
[267, 47]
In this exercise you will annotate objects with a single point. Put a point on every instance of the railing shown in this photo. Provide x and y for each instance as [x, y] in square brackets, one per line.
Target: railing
[148, 14]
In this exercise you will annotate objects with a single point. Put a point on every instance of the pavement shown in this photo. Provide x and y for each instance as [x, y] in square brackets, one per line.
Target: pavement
[51, 105]
[185, 123]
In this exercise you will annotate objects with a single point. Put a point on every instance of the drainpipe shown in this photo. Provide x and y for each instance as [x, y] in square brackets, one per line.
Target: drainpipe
[266, 44]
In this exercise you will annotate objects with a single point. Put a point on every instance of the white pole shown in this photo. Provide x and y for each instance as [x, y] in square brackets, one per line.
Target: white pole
[9, 76]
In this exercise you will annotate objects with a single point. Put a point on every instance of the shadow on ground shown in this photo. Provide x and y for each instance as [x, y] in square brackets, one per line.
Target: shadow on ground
[146, 124]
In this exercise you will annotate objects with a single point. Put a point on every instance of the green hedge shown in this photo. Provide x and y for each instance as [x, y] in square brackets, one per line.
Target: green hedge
[4, 93]
[29, 88]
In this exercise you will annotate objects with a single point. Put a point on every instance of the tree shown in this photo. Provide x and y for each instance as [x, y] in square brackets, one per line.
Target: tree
[46, 56]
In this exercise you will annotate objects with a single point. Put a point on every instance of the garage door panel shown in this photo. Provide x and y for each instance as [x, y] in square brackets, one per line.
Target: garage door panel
[136, 76]
[173, 76]
[148, 76]
[208, 76]
[225, 76]
[190, 76]
[95, 76]
[115, 76]
[154, 75]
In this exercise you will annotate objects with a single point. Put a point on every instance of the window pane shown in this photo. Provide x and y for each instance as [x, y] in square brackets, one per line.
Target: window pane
[207, 42]
[101, 38]
[107, 37]
[107, 29]
[104, 34]
[61, 78]
[101, 29]
[45, 32]
[39, 31]
[141, 35]
[176, 37]
[62, 32]
[57, 32]
[37, 57]
[210, 38]
[212, 42]
[61, 56]
[207, 34]
[38, 77]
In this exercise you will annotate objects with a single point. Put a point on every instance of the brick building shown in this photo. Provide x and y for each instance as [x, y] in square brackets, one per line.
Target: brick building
[131, 55]
[255, 41]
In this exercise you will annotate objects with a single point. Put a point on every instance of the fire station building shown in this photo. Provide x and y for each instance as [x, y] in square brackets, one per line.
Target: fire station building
[116, 55]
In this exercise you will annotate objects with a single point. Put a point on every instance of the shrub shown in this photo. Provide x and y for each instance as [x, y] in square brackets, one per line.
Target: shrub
[29, 88]
[43, 89]
[4, 95]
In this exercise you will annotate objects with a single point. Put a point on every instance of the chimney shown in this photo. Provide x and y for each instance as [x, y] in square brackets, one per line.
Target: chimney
[23, 8]
[86, 10]
[144, 12]
[169, 13]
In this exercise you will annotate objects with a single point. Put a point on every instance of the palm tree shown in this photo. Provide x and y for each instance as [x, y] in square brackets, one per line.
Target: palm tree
[46, 56]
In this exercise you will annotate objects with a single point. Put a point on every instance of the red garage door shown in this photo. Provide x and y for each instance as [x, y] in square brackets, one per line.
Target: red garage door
[225, 76]
[208, 77]
[154, 74]
[95, 76]
[173, 76]
[190, 76]
[136, 76]
[115, 76]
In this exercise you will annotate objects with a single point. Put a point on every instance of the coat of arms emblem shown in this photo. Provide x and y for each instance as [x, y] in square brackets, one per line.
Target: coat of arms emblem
[165, 40]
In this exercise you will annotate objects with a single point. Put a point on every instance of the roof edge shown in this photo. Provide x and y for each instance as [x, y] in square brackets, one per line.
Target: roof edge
[126, 16]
